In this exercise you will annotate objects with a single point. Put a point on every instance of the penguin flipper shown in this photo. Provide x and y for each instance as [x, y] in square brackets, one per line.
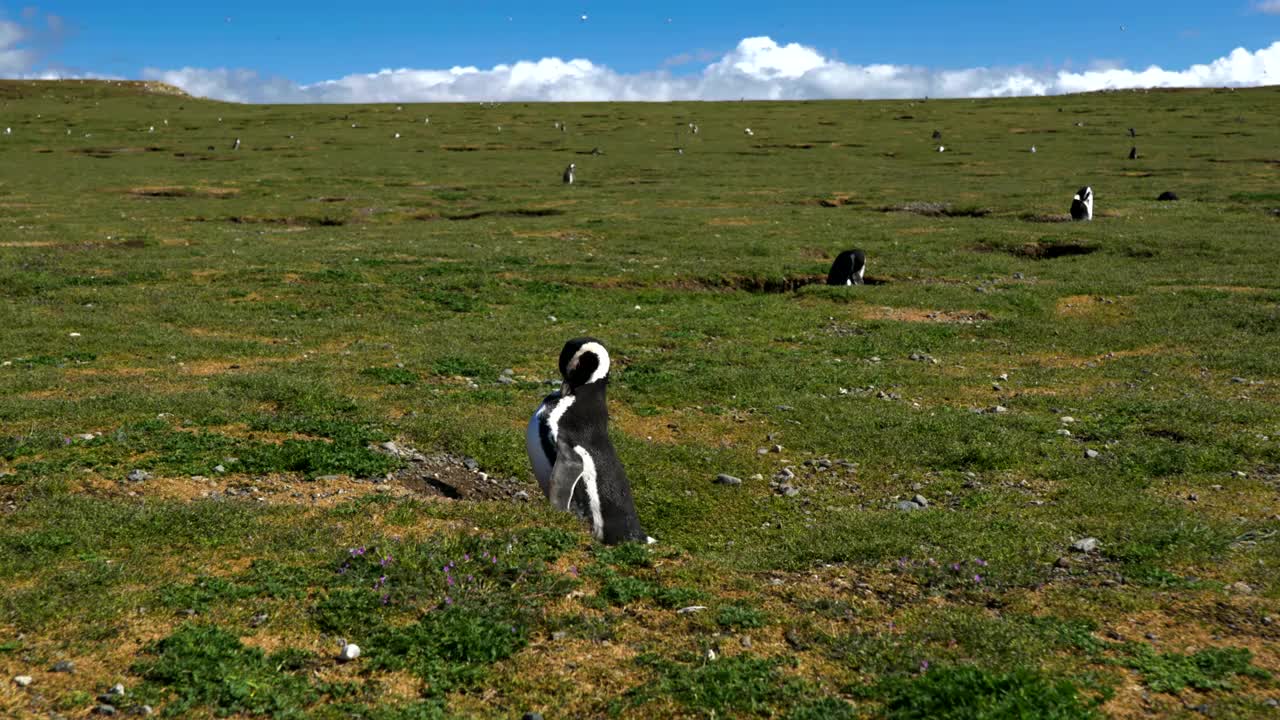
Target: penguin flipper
[565, 476]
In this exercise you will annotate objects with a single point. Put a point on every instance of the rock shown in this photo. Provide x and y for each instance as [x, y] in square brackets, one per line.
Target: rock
[1062, 562]
[64, 666]
[1066, 419]
[1091, 453]
[521, 495]
[1240, 380]
[1241, 588]
[531, 716]
[762, 451]
[219, 469]
[136, 475]
[507, 371]
[920, 500]
[745, 642]
[1085, 545]
[723, 479]
[349, 652]
[559, 635]
[691, 609]
[141, 710]
[908, 506]
[116, 690]
[788, 490]
[471, 464]
[104, 710]
[1064, 432]
[506, 380]
[22, 680]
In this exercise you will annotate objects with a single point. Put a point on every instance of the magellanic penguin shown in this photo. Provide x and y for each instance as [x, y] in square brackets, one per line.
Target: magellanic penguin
[848, 268]
[568, 174]
[568, 444]
[1082, 204]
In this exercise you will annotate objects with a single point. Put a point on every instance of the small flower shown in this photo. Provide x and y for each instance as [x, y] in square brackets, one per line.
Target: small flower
[977, 578]
[448, 600]
[386, 598]
[955, 567]
[924, 665]
[466, 557]
[980, 562]
[385, 561]
[449, 579]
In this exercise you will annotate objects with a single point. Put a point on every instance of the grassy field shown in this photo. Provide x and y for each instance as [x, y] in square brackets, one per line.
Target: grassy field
[203, 352]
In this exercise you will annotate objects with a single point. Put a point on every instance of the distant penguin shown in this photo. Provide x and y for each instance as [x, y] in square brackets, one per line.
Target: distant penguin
[1133, 133]
[568, 174]
[1167, 196]
[573, 459]
[237, 145]
[942, 148]
[937, 134]
[848, 268]
[1133, 153]
[747, 132]
[1082, 204]
[1033, 148]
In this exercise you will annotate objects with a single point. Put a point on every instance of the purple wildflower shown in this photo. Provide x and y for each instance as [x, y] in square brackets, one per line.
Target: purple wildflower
[977, 578]
[448, 600]
[924, 665]
[980, 562]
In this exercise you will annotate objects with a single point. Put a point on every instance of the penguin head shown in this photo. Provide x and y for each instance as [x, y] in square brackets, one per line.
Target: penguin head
[583, 361]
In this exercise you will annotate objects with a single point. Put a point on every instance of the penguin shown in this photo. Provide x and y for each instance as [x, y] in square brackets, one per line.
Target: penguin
[237, 145]
[937, 134]
[1133, 153]
[1133, 133]
[568, 444]
[1082, 204]
[747, 132]
[568, 174]
[848, 268]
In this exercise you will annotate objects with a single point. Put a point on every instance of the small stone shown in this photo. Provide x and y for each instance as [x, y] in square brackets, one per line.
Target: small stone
[139, 475]
[506, 380]
[1066, 419]
[691, 609]
[723, 479]
[104, 710]
[1063, 432]
[1062, 562]
[219, 469]
[1240, 380]
[757, 476]
[908, 506]
[507, 371]
[1272, 702]
[22, 680]
[559, 635]
[745, 642]
[1085, 545]
[471, 464]
[531, 716]
[64, 666]
[350, 652]
[1004, 377]
[999, 409]
[1241, 588]
[521, 495]
[1091, 453]
[762, 451]
[116, 690]
[920, 500]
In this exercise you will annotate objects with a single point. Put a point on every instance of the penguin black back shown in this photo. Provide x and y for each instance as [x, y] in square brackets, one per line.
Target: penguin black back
[847, 268]
[572, 437]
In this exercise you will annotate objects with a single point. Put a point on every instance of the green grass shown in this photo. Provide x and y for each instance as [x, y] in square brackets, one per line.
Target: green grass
[283, 310]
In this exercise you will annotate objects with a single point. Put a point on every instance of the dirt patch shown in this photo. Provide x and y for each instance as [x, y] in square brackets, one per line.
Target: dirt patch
[1051, 218]
[453, 477]
[735, 222]
[518, 212]
[1090, 306]
[26, 244]
[936, 209]
[1040, 250]
[176, 191]
[960, 317]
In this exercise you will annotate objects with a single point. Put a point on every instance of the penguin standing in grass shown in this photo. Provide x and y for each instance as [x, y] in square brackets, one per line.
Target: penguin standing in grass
[568, 444]
[848, 268]
[568, 174]
[1082, 204]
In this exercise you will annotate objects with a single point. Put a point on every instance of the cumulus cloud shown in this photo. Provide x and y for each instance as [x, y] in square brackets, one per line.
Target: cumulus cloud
[24, 44]
[758, 68]
[13, 59]
[1268, 7]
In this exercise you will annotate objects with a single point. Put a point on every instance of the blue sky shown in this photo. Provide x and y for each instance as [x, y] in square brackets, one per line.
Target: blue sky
[307, 43]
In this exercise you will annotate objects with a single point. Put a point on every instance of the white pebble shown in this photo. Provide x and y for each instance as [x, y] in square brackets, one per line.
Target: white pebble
[350, 652]
[22, 680]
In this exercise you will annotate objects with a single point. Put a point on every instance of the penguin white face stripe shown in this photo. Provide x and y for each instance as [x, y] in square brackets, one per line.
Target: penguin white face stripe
[588, 477]
[603, 355]
[553, 417]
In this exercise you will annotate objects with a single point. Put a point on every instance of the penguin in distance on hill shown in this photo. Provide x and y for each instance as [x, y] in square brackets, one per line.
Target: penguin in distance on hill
[1082, 204]
[848, 268]
[568, 174]
[568, 444]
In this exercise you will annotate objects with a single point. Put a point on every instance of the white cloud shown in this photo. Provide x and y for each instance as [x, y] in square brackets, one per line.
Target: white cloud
[1268, 7]
[758, 68]
[13, 59]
